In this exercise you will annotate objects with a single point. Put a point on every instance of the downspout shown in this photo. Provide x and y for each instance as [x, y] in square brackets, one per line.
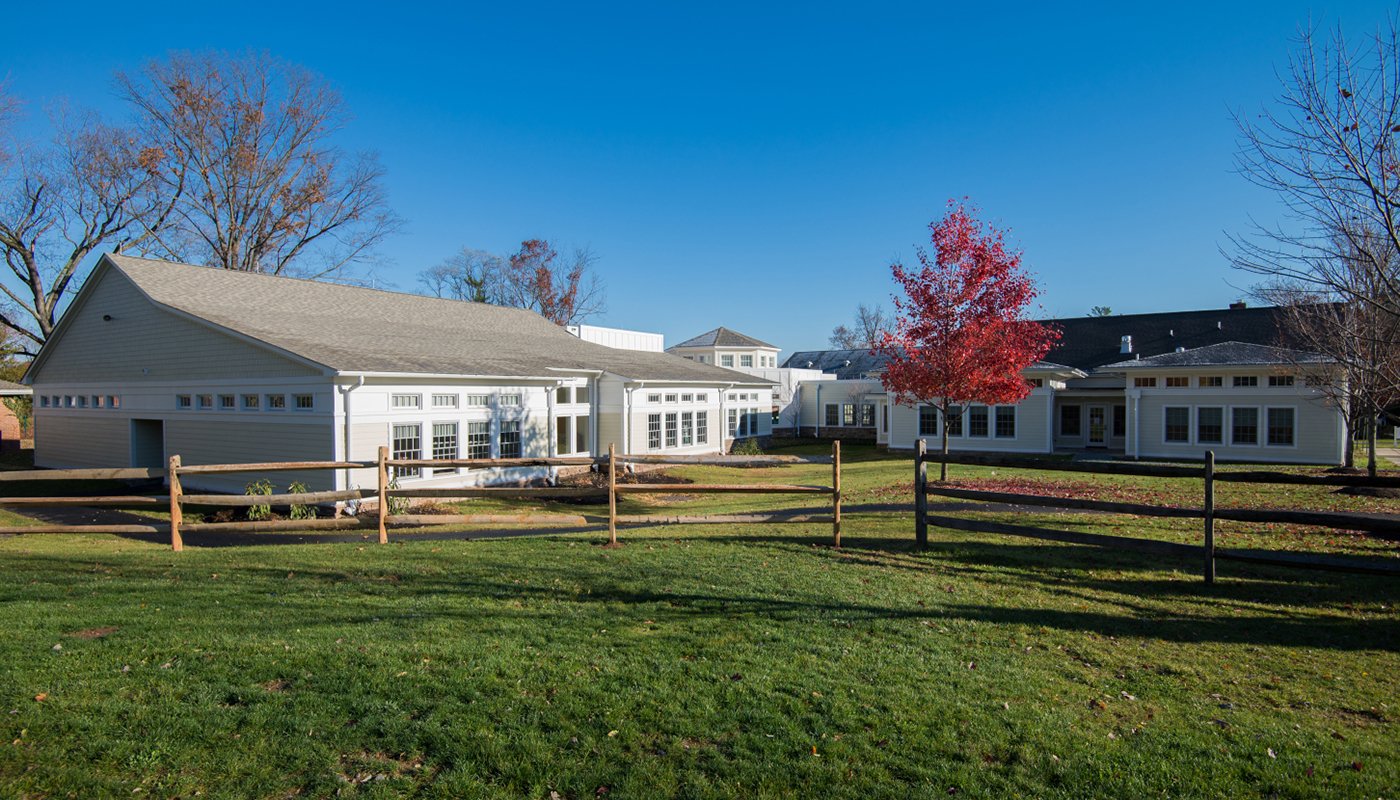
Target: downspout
[817, 423]
[551, 431]
[345, 434]
[1137, 426]
[1049, 418]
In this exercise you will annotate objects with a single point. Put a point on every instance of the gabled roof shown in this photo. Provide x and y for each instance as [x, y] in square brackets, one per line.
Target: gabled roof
[844, 364]
[10, 389]
[722, 337]
[1225, 354]
[1089, 342]
[353, 329]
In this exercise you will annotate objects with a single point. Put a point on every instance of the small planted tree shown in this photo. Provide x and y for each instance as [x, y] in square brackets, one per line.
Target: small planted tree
[961, 330]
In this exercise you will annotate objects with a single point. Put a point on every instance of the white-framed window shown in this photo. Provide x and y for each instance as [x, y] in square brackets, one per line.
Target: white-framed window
[580, 394]
[1141, 382]
[671, 429]
[1280, 380]
[444, 444]
[848, 415]
[562, 394]
[1006, 422]
[1036, 383]
[43, 401]
[1280, 430]
[733, 422]
[250, 402]
[227, 402]
[672, 398]
[687, 398]
[405, 402]
[478, 400]
[687, 429]
[276, 402]
[581, 444]
[1246, 380]
[1178, 381]
[654, 398]
[746, 361]
[510, 401]
[833, 415]
[1176, 424]
[726, 361]
[447, 401]
[1210, 425]
[57, 401]
[206, 402]
[563, 435]
[928, 420]
[478, 440]
[510, 438]
[304, 402]
[978, 424]
[1210, 381]
[954, 421]
[114, 401]
[184, 401]
[702, 398]
[1244, 426]
[653, 431]
[407, 443]
[702, 427]
[81, 401]
[98, 401]
[867, 415]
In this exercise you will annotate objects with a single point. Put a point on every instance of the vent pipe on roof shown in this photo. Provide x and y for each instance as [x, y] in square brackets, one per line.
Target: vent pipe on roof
[1171, 332]
[1126, 345]
[1180, 349]
[1220, 326]
[848, 362]
[809, 365]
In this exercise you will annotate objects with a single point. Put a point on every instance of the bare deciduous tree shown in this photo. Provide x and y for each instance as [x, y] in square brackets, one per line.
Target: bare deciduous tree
[471, 275]
[259, 185]
[565, 290]
[94, 187]
[1329, 150]
[865, 333]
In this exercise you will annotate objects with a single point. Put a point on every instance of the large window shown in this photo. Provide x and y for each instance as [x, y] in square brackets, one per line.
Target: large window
[833, 415]
[1210, 425]
[726, 361]
[1177, 422]
[928, 421]
[1006, 422]
[1280, 431]
[848, 415]
[954, 421]
[733, 422]
[1244, 426]
[1144, 382]
[478, 440]
[702, 427]
[1120, 421]
[563, 435]
[867, 415]
[407, 444]
[1069, 421]
[746, 361]
[444, 444]
[1246, 380]
[445, 400]
[654, 431]
[977, 422]
[1280, 380]
[581, 434]
[1210, 381]
[510, 439]
[671, 438]
[1178, 381]
[687, 429]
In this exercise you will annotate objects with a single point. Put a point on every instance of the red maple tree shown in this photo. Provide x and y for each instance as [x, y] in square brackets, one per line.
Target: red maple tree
[961, 333]
[561, 290]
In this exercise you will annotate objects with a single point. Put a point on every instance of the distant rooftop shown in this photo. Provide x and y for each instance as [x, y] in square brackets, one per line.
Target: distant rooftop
[1233, 354]
[723, 337]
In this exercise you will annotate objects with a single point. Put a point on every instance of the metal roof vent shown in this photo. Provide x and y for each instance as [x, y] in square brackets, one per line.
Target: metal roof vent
[1126, 346]
[1180, 349]
[847, 363]
[1220, 326]
[1171, 332]
[809, 365]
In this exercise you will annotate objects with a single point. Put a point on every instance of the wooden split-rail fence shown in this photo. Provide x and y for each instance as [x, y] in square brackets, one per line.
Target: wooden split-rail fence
[387, 491]
[1208, 512]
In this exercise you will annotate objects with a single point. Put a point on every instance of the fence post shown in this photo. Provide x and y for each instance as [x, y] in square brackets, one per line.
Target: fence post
[612, 495]
[176, 515]
[383, 494]
[1209, 547]
[920, 494]
[836, 493]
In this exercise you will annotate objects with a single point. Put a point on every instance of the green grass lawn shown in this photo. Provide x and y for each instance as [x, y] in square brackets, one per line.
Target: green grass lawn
[705, 661]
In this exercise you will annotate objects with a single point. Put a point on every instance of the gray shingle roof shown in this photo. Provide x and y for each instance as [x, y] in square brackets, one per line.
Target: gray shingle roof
[1231, 354]
[353, 329]
[844, 364]
[722, 337]
[11, 388]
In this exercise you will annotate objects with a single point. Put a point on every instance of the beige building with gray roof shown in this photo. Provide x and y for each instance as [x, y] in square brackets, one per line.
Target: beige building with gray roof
[155, 358]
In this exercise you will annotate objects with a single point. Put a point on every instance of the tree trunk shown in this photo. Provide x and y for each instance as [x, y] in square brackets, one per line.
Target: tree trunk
[1349, 452]
[943, 465]
[1371, 427]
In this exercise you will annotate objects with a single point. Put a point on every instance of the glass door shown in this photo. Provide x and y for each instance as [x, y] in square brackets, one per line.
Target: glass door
[1098, 426]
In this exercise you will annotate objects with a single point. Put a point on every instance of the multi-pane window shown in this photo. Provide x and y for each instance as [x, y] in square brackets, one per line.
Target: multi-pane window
[181, 401]
[478, 440]
[702, 398]
[671, 398]
[702, 427]
[510, 400]
[81, 401]
[977, 423]
[687, 398]
[1280, 380]
[43, 401]
[833, 415]
[848, 414]
[444, 444]
[746, 361]
[1006, 422]
[953, 421]
[1280, 430]
[407, 443]
[1244, 426]
[581, 434]
[1144, 382]
[1036, 383]
[1211, 381]
[250, 402]
[206, 402]
[653, 398]
[406, 401]
[734, 421]
[304, 402]
[563, 435]
[277, 402]
[1210, 425]
[227, 402]
[1120, 421]
[867, 415]
[1246, 380]
[654, 431]
[98, 401]
[1178, 381]
[114, 401]
[445, 401]
[478, 400]
[580, 394]
[510, 439]
[1069, 421]
[687, 429]
[1177, 420]
[928, 421]
[671, 429]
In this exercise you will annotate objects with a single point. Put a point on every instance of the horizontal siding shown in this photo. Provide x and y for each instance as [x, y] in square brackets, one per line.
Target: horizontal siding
[1031, 422]
[65, 440]
[145, 342]
[213, 441]
[1317, 434]
[609, 431]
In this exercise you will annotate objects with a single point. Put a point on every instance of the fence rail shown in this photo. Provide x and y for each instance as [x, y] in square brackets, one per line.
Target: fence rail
[1386, 526]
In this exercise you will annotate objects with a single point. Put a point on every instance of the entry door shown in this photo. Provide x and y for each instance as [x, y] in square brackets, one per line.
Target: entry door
[1098, 426]
[147, 443]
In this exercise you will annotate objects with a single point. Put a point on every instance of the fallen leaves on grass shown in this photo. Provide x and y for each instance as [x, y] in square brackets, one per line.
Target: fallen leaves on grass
[93, 633]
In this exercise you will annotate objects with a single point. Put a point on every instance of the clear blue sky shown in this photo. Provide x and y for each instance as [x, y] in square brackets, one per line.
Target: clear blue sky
[759, 168]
